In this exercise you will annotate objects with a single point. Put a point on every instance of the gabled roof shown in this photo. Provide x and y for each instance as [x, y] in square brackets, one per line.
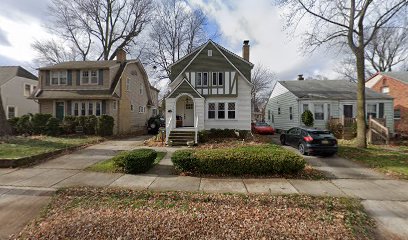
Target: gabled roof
[235, 60]
[82, 65]
[329, 89]
[8, 72]
[401, 76]
[185, 87]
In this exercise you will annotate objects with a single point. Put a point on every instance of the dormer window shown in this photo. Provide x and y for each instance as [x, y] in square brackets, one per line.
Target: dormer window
[59, 78]
[89, 77]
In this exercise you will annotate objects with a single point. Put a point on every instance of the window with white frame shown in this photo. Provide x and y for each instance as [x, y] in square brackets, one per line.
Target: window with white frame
[89, 77]
[87, 108]
[127, 84]
[205, 79]
[385, 90]
[142, 109]
[209, 53]
[397, 114]
[221, 110]
[279, 110]
[319, 111]
[220, 79]
[59, 78]
[211, 110]
[115, 106]
[305, 107]
[132, 108]
[11, 112]
[372, 110]
[214, 79]
[27, 90]
[231, 110]
[199, 79]
[141, 89]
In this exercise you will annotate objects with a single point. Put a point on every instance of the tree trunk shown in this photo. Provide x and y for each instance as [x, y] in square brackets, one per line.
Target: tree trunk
[4, 125]
[361, 121]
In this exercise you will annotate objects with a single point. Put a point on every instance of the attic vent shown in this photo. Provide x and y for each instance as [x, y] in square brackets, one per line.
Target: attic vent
[209, 53]
[134, 72]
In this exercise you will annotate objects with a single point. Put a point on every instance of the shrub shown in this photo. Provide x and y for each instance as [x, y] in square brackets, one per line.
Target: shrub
[250, 160]
[136, 161]
[105, 125]
[24, 125]
[90, 125]
[184, 160]
[13, 124]
[244, 134]
[154, 124]
[206, 135]
[81, 121]
[336, 128]
[39, 122]
[53, 126]
[307, 118]
[69, 124]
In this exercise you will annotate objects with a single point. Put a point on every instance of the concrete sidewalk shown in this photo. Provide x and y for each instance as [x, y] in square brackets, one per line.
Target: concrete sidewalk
[384, 198]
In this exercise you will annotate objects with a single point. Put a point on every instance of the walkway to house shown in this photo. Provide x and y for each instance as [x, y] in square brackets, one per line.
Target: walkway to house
[23, 192]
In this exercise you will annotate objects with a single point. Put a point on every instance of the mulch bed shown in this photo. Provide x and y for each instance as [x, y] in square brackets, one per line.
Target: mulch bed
[96, 213]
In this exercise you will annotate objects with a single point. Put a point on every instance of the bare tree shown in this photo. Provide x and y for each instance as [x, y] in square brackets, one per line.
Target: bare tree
[263, 80]
[97, 28]
[177, 30]
[52, 52]
[351, 23]
[4, 125]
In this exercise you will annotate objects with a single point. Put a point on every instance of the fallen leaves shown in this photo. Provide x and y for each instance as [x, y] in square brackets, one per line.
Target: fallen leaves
[95, 213]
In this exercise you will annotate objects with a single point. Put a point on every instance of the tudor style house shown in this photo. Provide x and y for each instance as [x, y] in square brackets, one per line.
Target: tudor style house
[119, 88]
[16, 85]
[210, 88]
[394, 84]
[327, 100]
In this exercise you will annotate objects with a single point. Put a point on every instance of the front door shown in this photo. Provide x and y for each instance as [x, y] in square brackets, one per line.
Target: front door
[348, 111]
[188, 115]
[59, 110]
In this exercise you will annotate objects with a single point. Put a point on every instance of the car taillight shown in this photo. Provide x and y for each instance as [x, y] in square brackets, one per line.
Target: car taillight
[308, 138]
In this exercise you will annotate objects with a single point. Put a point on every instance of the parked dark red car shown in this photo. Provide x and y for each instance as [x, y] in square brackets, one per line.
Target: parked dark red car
[262, 128]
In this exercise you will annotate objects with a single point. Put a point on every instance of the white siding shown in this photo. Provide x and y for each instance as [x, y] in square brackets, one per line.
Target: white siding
[334, 111]
[243, 109]
[12, 93]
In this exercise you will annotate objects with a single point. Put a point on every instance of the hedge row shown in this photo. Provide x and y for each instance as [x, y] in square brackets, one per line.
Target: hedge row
[264, 159]
[136, 161]
[206, 135]
[46, 124]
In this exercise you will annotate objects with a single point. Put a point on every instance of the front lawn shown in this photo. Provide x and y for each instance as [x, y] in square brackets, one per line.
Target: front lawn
[96, 213]
[390, 161]
[19, 147]
[108, 166]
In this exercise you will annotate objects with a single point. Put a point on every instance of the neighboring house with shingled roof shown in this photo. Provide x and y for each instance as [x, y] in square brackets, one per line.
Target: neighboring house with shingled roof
[394, 84]
[119, 88]
[16, 85]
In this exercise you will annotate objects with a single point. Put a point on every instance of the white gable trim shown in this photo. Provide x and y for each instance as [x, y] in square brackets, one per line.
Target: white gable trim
[216, 47]
[184, 80]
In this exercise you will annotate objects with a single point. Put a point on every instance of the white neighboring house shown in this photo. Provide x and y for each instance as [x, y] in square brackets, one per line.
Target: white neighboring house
[326, 99]
[16, 85]
[210, 88]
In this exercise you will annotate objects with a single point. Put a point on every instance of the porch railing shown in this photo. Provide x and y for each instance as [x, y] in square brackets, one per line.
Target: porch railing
[169, 127]
[196, 130]
[377, 126]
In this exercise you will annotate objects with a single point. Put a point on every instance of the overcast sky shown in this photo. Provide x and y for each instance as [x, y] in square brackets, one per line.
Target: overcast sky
[21, 22]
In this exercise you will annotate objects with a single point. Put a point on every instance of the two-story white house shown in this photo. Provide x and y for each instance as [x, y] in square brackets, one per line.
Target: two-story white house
[16, 85]
[210, 88]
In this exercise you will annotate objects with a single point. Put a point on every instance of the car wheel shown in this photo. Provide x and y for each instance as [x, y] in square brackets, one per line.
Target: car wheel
[283, 140]
[302, 149]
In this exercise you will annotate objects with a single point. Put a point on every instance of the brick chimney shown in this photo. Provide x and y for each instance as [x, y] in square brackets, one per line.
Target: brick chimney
[245, 50]
[121, 55]
[300, 77]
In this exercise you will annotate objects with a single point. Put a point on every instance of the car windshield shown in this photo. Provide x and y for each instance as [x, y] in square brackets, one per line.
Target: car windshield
[262, 124]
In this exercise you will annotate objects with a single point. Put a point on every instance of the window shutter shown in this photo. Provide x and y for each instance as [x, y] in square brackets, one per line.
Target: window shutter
[103, 107]
[69, 102]
[69, 77]
[381, 110]
[78, 78]
[47, 78]
[100, 82]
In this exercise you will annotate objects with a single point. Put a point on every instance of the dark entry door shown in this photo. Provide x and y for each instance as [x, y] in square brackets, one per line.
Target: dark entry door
[348, 111]
[59, 110]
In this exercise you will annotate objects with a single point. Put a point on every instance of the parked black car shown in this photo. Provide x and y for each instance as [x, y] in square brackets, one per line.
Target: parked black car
[310, 141]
